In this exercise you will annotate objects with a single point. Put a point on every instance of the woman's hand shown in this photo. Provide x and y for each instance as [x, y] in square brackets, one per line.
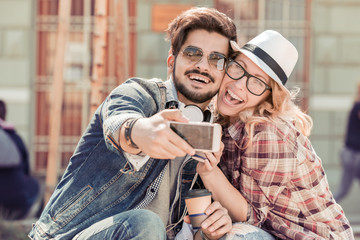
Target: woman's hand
[211, 161]
[218, 222]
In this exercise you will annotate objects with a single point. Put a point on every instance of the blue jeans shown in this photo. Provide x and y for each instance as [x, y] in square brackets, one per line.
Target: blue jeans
[133, 224]
[244, 231]
[350, 161]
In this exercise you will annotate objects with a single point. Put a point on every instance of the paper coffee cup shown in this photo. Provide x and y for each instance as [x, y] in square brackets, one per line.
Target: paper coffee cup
[197, 200]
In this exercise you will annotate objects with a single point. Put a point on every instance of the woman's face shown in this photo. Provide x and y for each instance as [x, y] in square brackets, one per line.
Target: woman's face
[234, 96]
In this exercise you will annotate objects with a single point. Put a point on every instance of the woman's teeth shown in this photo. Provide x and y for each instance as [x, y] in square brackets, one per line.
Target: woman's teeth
[234, 97]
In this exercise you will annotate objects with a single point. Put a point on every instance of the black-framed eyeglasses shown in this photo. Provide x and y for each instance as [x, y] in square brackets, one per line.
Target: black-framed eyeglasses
[255, 85]
[195, 54]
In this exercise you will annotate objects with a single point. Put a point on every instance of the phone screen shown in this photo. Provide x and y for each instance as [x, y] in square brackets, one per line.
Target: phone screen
[198, 136]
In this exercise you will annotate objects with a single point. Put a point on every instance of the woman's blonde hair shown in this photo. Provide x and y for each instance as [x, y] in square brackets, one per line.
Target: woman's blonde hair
[279, 106]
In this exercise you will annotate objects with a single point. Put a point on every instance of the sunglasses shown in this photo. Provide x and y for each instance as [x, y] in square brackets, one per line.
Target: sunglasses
[195, 54]
[255, 85]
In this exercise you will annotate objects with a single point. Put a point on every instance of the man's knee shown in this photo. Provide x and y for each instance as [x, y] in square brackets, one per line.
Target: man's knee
[146, 223]
[145, 217]
[133, 224]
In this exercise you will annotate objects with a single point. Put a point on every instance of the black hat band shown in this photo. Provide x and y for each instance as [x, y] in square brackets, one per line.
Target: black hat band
[266, 58]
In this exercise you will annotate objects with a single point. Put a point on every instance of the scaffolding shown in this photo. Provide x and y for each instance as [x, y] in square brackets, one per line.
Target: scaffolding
[57, 97]
[77, 67]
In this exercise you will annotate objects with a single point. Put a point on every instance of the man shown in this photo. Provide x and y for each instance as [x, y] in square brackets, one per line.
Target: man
[112, 189]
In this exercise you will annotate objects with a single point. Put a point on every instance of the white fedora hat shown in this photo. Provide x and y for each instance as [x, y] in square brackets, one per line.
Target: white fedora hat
[273, 53]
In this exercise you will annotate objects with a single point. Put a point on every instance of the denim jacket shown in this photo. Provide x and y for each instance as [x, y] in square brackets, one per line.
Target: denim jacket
[99, 181]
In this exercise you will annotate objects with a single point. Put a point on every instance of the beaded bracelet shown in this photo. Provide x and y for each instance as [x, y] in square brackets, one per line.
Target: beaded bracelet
[128, 128]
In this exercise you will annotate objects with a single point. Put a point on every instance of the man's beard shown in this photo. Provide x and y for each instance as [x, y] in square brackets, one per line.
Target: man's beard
[191, 95]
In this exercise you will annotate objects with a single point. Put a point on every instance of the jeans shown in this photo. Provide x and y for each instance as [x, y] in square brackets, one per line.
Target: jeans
[244, 231]
[350, 160]
[133, 224]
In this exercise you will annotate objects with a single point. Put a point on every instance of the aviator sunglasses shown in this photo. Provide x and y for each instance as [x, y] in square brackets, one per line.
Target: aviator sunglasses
[195, 54]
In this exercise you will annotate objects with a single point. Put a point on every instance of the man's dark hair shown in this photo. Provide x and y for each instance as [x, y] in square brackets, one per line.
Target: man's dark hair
[195, 18]
[2, 110]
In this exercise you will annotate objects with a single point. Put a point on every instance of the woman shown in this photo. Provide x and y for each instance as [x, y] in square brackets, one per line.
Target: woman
[269, 177]
[350, 153]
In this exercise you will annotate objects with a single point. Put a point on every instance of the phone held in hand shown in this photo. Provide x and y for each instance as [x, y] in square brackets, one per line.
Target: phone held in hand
[202, 136]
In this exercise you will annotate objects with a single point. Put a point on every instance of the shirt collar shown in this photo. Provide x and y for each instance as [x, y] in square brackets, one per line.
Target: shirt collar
[171, 93]
[235, 130]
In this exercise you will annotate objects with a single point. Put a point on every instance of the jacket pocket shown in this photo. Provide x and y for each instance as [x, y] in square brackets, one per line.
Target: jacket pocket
[73, 206]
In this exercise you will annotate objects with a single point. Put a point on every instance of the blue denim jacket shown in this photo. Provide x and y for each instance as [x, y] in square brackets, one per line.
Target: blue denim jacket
[99, 181]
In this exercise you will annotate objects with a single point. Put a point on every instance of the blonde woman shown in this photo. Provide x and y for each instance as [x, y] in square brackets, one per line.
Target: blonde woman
[269, 177]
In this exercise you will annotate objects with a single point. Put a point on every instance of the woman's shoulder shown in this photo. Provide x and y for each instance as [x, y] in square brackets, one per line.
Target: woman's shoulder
[280, 128]
[281, 131]
[285, 132]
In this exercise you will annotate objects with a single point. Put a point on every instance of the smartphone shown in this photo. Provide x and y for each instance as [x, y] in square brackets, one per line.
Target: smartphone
[202, 136]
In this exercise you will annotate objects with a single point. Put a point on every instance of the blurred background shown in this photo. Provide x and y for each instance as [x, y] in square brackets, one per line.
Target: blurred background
[59, 59]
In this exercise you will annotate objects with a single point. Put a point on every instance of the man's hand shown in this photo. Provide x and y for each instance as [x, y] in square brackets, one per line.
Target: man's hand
[155, 138]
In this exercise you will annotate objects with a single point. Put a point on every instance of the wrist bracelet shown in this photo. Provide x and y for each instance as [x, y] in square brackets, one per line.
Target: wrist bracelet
[203, 236]
[128, 128]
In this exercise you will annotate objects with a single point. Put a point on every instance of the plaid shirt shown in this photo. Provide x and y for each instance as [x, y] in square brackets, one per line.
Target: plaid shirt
[284, 183]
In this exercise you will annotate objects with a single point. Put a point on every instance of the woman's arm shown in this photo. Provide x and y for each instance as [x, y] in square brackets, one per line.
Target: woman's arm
[222, 190]
[229, 197]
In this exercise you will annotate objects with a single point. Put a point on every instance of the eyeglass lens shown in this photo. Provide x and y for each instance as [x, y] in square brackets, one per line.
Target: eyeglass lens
[195, 54]
[255, 85]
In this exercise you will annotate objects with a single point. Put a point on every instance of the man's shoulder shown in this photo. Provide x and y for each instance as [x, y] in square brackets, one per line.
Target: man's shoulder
[151, 86]
[144, 81]
[137, 85]
[152, 89]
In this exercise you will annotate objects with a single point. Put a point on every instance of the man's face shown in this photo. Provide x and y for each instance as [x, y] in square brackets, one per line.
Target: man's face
[198, 81]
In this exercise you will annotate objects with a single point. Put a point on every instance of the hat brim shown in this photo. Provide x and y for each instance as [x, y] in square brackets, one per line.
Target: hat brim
[259, 63]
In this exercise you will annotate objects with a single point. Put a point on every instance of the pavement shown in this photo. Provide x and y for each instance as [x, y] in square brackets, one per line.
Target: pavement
[25, 226]
[356, 230]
